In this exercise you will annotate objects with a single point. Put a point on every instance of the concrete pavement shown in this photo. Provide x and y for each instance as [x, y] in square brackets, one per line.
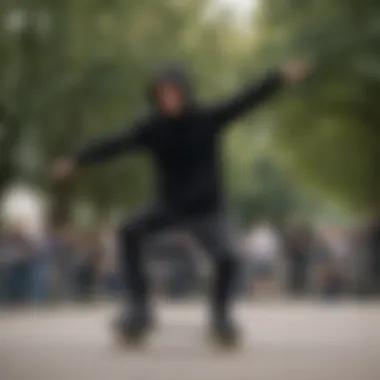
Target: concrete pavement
[305, 341]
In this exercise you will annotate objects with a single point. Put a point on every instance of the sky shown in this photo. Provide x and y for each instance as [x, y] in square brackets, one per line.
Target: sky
[242, 8]
[240, 5]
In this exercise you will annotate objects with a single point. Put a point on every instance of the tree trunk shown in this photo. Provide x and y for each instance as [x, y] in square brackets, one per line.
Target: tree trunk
[10, 133]
[60, 209]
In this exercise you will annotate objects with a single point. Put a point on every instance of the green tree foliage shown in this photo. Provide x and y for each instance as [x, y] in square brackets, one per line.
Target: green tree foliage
[75, 70]
[328, 131]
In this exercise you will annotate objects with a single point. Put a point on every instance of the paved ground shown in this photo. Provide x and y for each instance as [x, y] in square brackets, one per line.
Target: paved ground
[283, 341]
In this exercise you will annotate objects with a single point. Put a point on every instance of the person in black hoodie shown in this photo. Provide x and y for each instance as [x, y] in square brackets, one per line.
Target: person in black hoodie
[183, 138]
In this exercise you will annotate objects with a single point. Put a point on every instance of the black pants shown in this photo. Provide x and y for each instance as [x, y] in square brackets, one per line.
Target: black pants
[211, 230]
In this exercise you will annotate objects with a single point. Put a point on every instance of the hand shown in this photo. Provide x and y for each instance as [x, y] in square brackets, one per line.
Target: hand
[295, 72]
[63, 169]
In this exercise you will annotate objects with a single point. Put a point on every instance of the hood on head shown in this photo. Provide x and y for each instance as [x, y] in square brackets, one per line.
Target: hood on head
[174, 74]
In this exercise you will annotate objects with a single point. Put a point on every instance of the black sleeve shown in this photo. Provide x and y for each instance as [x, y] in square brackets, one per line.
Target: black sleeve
[122, 142]
[247, 99]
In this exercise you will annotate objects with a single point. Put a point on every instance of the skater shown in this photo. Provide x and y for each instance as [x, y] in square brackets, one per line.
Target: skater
[182, 137]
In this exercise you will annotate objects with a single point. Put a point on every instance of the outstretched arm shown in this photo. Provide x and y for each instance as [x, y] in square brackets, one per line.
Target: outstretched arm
[100, 151]
[257, 93]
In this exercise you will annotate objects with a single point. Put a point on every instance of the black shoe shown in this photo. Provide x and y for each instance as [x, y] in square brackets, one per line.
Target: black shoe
[225, 333]
[134, 326]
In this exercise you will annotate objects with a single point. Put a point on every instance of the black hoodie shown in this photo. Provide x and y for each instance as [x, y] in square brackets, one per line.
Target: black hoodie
[185, 148]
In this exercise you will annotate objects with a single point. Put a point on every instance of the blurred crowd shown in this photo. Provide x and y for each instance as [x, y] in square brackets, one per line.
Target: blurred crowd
[300, 260]
[59, 266]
